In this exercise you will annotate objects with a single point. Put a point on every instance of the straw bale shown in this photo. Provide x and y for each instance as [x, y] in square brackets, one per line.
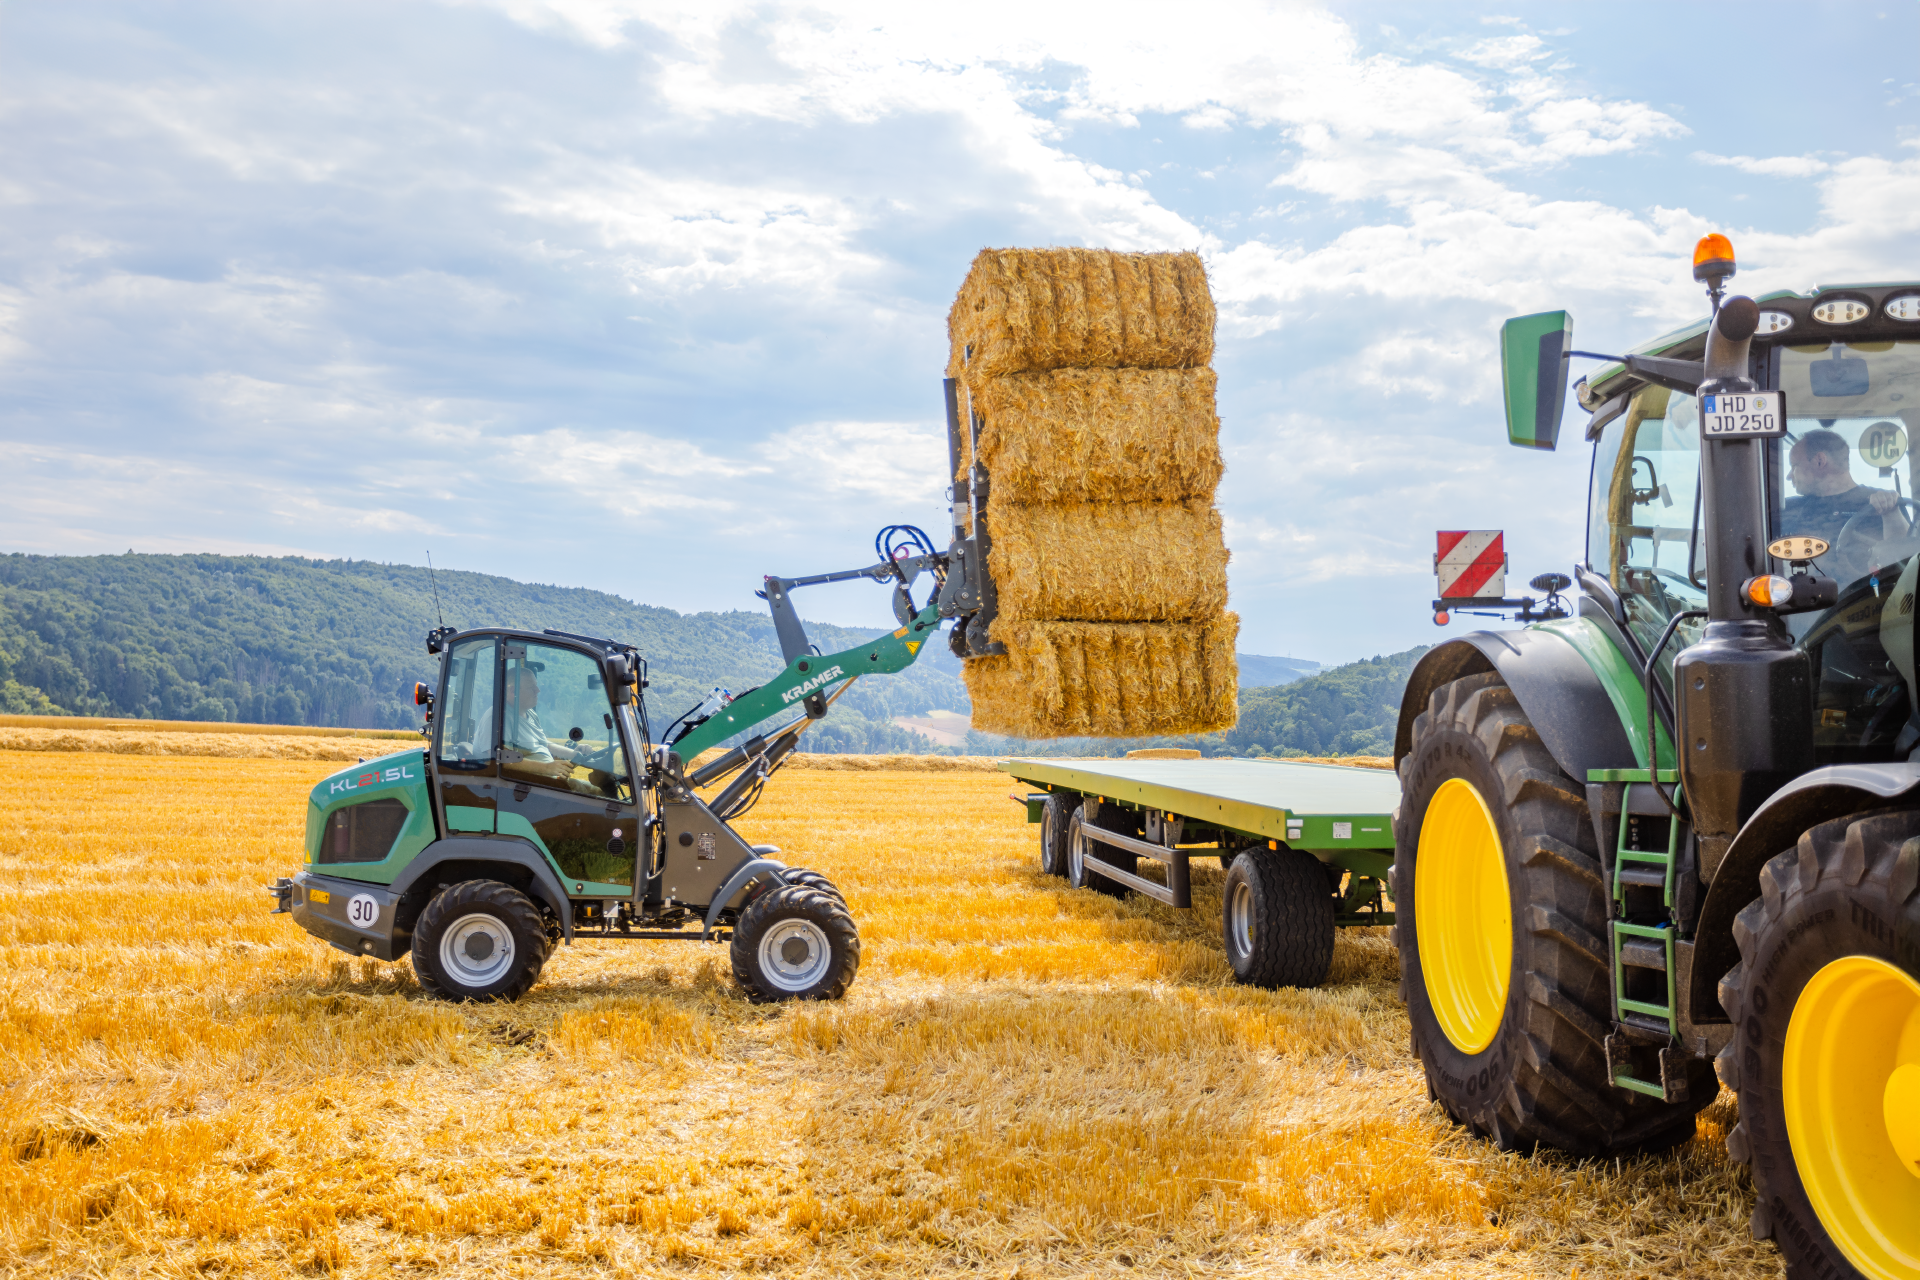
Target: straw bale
[1030, 309]
[1164, 753]
[1106, 679]
[1098, 435]
[1100, 562]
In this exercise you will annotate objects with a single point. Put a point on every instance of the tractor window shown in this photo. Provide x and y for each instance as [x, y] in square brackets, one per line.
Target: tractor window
[557, 729]
[465, 713]
[1649, 522]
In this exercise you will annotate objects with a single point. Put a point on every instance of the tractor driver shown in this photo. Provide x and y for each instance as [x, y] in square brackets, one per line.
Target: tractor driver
[1854, 519]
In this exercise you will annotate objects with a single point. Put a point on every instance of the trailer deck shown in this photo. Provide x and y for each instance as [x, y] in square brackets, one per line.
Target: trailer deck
[1101, 816]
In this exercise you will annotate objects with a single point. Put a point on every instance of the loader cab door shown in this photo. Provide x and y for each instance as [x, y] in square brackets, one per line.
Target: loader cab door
[565, 782]
[465, 729]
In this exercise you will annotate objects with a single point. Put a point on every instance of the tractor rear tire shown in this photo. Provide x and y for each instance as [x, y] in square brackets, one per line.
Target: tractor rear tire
[479, 940]
[1055, 817]
[1276, 916]
[1079, 846]
[795, 943]
[1502, 938]
[1825, 1004]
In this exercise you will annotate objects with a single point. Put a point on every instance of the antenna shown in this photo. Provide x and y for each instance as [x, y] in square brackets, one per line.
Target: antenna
[436, 591]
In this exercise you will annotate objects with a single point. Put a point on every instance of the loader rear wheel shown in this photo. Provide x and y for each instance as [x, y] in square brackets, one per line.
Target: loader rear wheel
[1055, 817]
[1826, 1050]
[1080, 847]
[1276, 915]
[1502, 920]
[479, 940]
[795, 943]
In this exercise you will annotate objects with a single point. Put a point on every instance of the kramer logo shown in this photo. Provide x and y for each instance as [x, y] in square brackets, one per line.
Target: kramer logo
[372, 778]
[802, 690]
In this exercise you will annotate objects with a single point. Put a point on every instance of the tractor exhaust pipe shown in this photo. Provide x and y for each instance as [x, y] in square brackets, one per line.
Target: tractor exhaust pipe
[1744, 692]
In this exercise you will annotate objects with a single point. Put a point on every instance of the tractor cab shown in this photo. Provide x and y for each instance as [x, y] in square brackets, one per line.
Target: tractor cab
[1842, 474]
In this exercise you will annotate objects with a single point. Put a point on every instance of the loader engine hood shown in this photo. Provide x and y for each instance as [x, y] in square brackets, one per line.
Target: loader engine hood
[365, 814]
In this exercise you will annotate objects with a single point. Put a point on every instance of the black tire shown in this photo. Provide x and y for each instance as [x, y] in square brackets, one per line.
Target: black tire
[1851, 888]
[1276, 918]
[1055, 817]
[795, 943]
[814, 880]
[1109, 818]
[479, 940]
[1540, 1077]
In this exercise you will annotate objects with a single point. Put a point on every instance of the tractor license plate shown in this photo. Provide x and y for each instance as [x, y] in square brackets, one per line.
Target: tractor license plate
[1739, 414]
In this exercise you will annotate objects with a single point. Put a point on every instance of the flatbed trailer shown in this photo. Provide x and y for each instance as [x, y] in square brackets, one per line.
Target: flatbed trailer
[1306, 847]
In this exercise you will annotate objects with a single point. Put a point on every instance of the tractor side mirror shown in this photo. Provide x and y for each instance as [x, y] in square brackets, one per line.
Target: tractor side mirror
[1534, 353]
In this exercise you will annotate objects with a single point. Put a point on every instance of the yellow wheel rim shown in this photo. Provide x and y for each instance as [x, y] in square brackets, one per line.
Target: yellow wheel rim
[1463, 915]
[1851, 1086]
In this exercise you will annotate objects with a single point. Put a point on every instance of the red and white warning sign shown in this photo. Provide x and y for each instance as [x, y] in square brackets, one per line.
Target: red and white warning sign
[1471, 564]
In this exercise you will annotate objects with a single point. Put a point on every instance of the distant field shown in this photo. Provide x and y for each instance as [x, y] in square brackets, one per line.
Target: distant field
[1025, 1081]
[123, 724]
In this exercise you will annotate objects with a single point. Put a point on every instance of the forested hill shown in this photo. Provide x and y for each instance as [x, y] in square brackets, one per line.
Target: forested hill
[335, 642]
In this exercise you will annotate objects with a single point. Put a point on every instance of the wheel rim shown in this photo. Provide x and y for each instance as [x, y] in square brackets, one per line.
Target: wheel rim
[794, 954]
[1851, 1088]
[1240, 919]
[476, 950]
[1076, 855]
[1463, 915]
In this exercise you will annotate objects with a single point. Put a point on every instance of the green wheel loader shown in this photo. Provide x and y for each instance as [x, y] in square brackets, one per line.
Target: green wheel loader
[1679, 831]
[545, 809]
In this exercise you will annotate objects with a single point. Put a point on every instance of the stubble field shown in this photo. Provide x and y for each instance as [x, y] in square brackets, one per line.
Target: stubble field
[1025, 1079]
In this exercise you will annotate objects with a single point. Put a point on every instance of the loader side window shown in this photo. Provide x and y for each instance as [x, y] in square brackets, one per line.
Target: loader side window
[1650, 522]
[466, 704]
[557, 723]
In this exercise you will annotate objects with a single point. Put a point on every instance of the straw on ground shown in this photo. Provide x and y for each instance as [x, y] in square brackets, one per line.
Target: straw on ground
[1026, 1077]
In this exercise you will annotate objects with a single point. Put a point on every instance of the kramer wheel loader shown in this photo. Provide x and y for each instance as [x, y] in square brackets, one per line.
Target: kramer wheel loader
[544, 808]
[1679, 832]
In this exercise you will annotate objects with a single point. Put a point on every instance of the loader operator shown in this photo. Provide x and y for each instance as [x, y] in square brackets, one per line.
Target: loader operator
[1856, 520]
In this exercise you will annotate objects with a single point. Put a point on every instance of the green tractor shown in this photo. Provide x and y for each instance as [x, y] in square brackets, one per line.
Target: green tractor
[544, 809]
[1679, 830]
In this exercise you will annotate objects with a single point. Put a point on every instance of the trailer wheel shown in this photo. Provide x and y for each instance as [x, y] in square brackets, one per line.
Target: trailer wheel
[1055, 817]
[795, 943]
[1277, 919]
[1109, 818]
[479, 940]
[1502, 923]
[1826, 1051]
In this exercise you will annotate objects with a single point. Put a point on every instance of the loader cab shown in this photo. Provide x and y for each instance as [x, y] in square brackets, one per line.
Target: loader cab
[1844, 472]
[536, 739]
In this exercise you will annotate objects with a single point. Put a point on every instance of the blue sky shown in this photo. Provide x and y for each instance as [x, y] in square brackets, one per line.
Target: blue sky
[651, 298]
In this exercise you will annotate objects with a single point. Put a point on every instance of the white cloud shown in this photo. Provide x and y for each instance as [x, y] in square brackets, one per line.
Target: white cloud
[1770, 167]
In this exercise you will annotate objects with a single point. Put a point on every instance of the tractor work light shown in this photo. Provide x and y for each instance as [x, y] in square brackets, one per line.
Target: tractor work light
[1904, 307]
[1769, 591]
[1713, 258]
[1774, 322]
[1841, 311]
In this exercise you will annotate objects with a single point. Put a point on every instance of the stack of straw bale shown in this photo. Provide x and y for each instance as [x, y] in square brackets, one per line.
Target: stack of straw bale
[1089, 371]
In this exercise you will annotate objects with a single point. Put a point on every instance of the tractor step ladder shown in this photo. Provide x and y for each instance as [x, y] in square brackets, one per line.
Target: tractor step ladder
[1645, 948]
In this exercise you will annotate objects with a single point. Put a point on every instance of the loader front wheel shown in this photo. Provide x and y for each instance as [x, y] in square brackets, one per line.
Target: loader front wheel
[814, 880]
[795, 943]
[1501, 915]
[1826, 1052]
[1276, 915]
[479, 940]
